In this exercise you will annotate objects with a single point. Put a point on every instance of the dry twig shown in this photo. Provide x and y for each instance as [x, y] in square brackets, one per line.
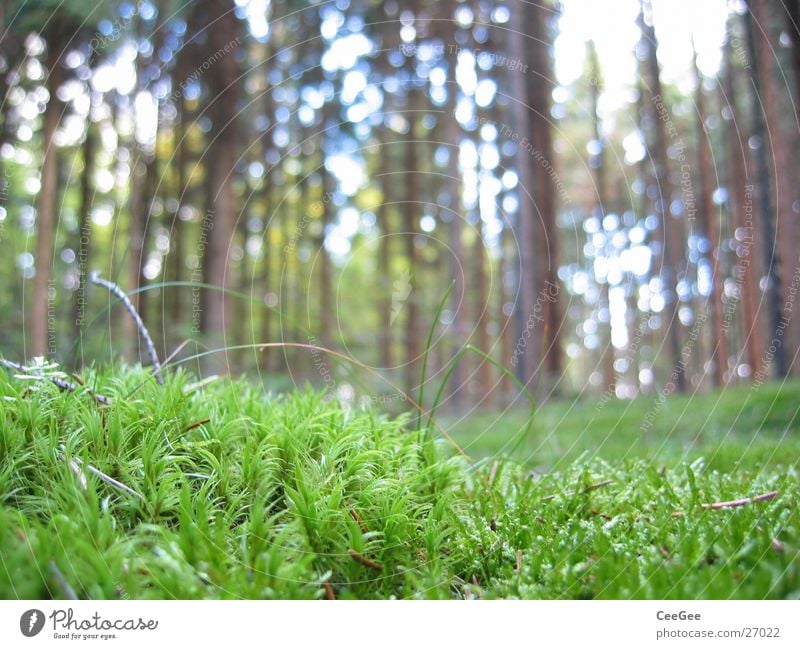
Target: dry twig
[60, 383]
[148, 341]
[741, 502]
[364, 561]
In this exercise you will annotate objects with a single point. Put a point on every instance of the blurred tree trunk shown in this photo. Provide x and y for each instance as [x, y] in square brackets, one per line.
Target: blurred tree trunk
[747, 270]
[483, 369]
[405, 291]
[529, 332]
[176, 261]
[223, 83]
[327, 320]
[88, 153]
[782, 141]
[540, 88]
[758, 72]
[385, 251]
[710, 221]
[47, 198]
[268, 198]
[793, 29]
[673, 241]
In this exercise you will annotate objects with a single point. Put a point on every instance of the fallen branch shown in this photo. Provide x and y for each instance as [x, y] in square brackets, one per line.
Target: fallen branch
[742, 501]
[148, 341]
[61, 384]
[364, 561]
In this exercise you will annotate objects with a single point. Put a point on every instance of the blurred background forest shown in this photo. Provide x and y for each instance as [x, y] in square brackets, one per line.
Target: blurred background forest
[608, 186]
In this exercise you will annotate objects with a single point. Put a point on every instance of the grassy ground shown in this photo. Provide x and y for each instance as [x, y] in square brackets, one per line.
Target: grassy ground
[216, 491]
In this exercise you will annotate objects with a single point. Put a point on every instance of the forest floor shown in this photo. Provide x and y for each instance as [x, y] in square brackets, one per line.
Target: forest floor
[192, 490]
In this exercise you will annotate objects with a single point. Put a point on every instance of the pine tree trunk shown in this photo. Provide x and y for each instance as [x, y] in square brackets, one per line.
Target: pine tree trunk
[766, 201]
[42, 338]
[781, 141]
[221, 156]
[406, 296]
[748, 266]
[540, 89]
[528, 332]
[88, 152]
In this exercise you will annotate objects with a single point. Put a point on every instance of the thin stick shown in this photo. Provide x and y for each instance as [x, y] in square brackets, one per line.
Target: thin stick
[76, 470]
[493, 472]
[597, 485]
[111, 481]
[354, 515]
[364, 561]
[61, 580]
[176, 351]
[329, 594]
[742, 501]
[61, 384]
[586, 489]
[148, 341]
[197, 424]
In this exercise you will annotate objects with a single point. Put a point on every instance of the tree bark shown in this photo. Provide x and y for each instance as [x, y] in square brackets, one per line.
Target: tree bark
[529, 333]
[782, 141]
[540, 87]
[221, 156]
[406, 296]
[748, 266]
[42, 337]
[88, 152]
[766, 199]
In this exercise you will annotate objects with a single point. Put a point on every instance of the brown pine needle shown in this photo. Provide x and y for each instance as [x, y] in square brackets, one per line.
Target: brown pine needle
[741, 502]
[597, 485]
[197, 424]
[354, 515]
[364, 561]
